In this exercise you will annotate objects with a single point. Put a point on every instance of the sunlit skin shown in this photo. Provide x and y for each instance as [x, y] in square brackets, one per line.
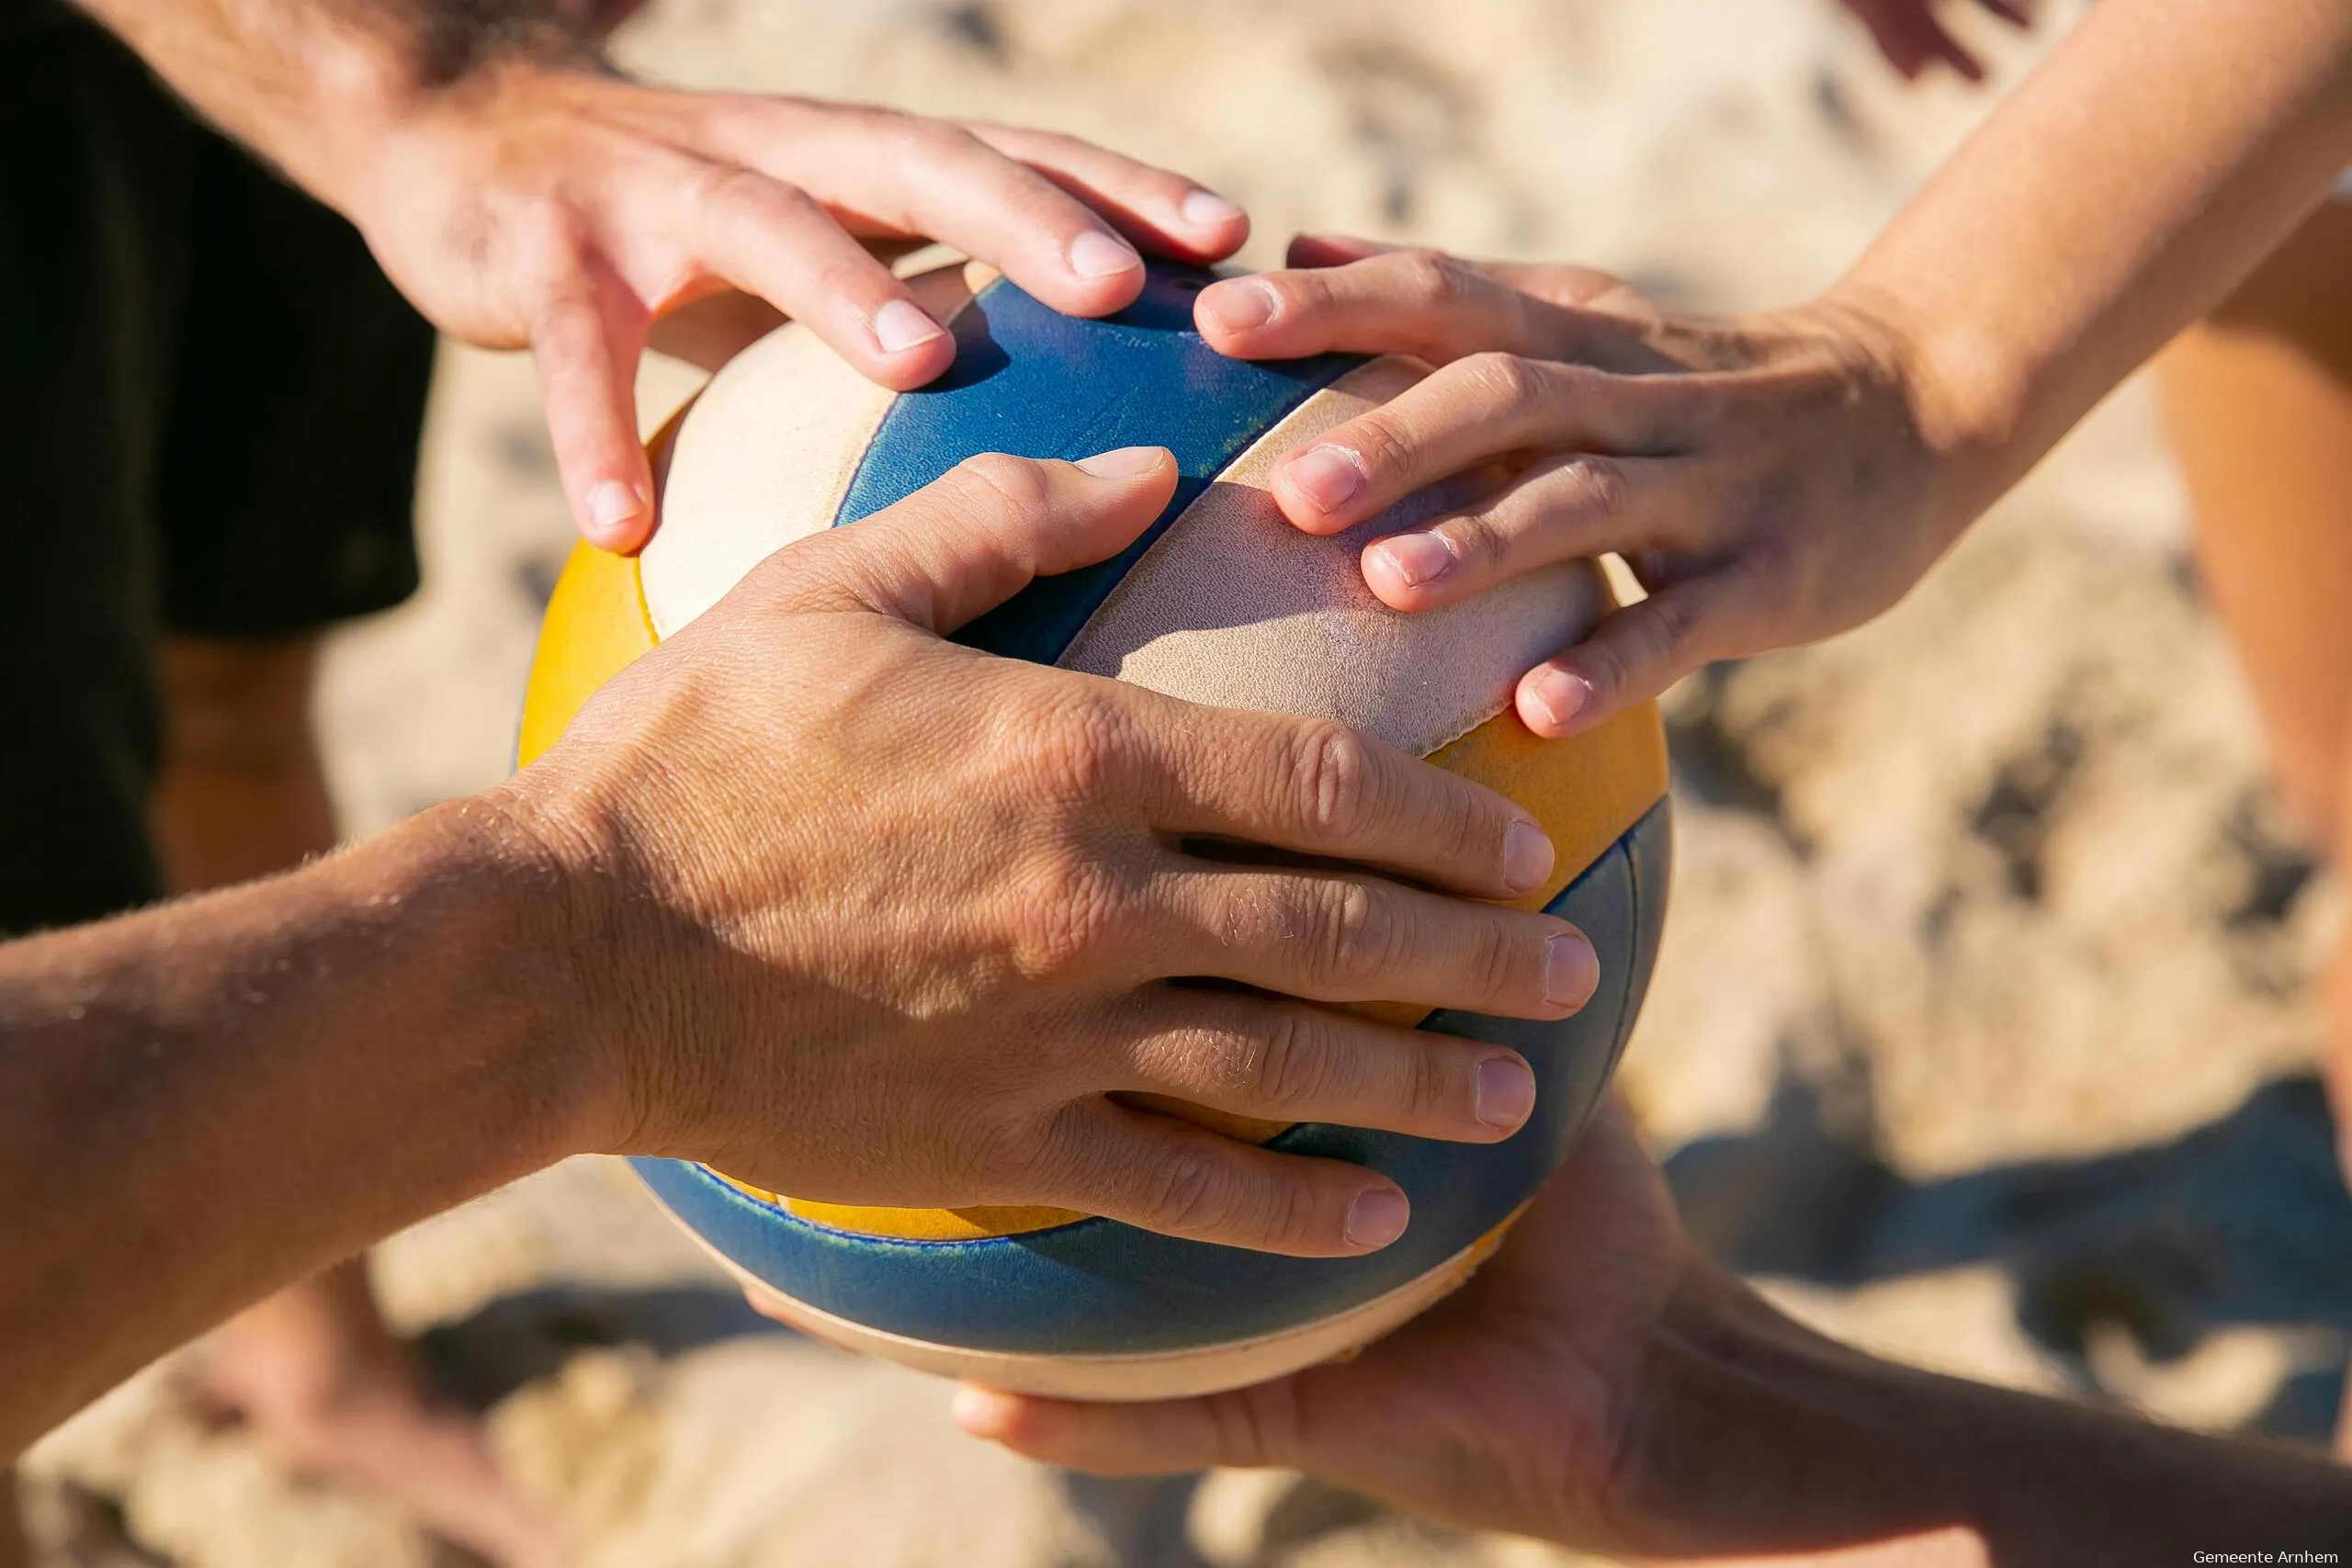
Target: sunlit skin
[2258, 404]
[1599, 1383]
[1773, 479]
[324, 1385]
[894, 936]
[1777, 478]
[522, 193]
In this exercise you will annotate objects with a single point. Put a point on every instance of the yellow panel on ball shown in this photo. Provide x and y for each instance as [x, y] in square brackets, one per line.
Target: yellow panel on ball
[594, 628]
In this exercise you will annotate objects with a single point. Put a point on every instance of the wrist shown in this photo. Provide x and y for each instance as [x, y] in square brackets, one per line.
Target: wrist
[523, 907]
[1750, 1432]
[1711, 1320]
[1964, 388]
[595, 922]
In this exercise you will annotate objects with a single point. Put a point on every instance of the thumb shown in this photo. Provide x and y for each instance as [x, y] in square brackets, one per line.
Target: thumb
[976, 536]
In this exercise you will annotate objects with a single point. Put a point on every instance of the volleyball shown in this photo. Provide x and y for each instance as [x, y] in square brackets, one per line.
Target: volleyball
[1220, 601]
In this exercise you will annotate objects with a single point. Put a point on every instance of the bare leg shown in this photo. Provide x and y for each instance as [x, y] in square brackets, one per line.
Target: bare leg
[2259, 402]
[314, 1368]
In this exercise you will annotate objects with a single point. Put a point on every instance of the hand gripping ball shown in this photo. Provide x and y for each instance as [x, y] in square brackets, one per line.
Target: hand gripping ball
[1223, 603]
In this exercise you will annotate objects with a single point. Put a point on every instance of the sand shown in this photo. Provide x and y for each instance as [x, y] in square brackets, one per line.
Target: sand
[1982, 1034]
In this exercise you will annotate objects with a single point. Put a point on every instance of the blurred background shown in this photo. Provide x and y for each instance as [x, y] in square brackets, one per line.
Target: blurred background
[1981, 1034]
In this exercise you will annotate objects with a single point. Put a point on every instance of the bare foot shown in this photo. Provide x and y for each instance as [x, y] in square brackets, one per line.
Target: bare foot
[330, 1391]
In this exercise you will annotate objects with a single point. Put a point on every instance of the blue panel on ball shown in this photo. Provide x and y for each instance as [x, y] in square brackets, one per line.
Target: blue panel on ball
[1034, 382]
[1096, 1287]
[1651, 848]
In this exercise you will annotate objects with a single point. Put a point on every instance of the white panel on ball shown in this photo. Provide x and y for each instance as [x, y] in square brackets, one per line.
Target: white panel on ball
[1298, 631]
[763, 457]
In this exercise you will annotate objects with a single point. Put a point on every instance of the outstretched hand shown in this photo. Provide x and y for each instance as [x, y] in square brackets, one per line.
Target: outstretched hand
[551, 204]
[871, 917]
[1769, 479]
[1511, 1406]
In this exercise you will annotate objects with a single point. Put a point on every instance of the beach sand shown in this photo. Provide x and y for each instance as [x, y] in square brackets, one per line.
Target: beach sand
[1981, 1034]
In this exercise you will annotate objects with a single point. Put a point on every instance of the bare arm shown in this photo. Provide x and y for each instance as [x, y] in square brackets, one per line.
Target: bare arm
[1600, 1384]
[311, 85]
[1760, 1437]
[637, 946]
[2127, 187]
[1777, 478]
[217, 1095]
[523, 193]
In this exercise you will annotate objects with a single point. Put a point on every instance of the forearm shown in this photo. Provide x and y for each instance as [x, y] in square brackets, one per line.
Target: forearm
[313, 85]
[2125, 189]
[207, 1099]
[1763, 1438]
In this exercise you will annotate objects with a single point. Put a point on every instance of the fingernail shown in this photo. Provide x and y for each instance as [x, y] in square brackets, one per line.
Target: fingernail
[1206, 209]
[1124, 463]
[1571, 972]
[1560, 696]
[1527, 856]
[899, 326]
[1506, 1092]
[1377, 1218]
[1330, 475]
[611, 504]
[1417, 559]
[1240, 304]
[1097, 254]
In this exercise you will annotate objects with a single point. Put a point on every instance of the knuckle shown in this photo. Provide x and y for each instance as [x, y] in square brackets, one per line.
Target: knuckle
[1597, 486]
[1018, 484]
[1603, 665]
[1065, 910]
[1187, 1193]
[1505, 384]
[1499, 959]
[1483, 541]
[1028, 1152]
[1470, 820]
[551, 251]
[1436, 1093]
[1071, 754]
[879, 123]
[1384, 443]
[730, 197]
[1292, 1066]
[1770, 566]
[998, 1144]
[940, 139]
[1068, 901]
[551, 244]
[1332, 775]
[1674, 627]
[1432, 280]
[1354, 930]
[1298, 1215]
[1311, 293]
[1459, 816]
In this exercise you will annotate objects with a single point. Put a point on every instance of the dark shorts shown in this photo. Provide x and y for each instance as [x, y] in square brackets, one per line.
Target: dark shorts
[209, 407]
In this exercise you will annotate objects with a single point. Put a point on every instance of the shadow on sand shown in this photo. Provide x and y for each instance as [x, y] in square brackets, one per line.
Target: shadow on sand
[2243, 1221]
[519, 1340]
